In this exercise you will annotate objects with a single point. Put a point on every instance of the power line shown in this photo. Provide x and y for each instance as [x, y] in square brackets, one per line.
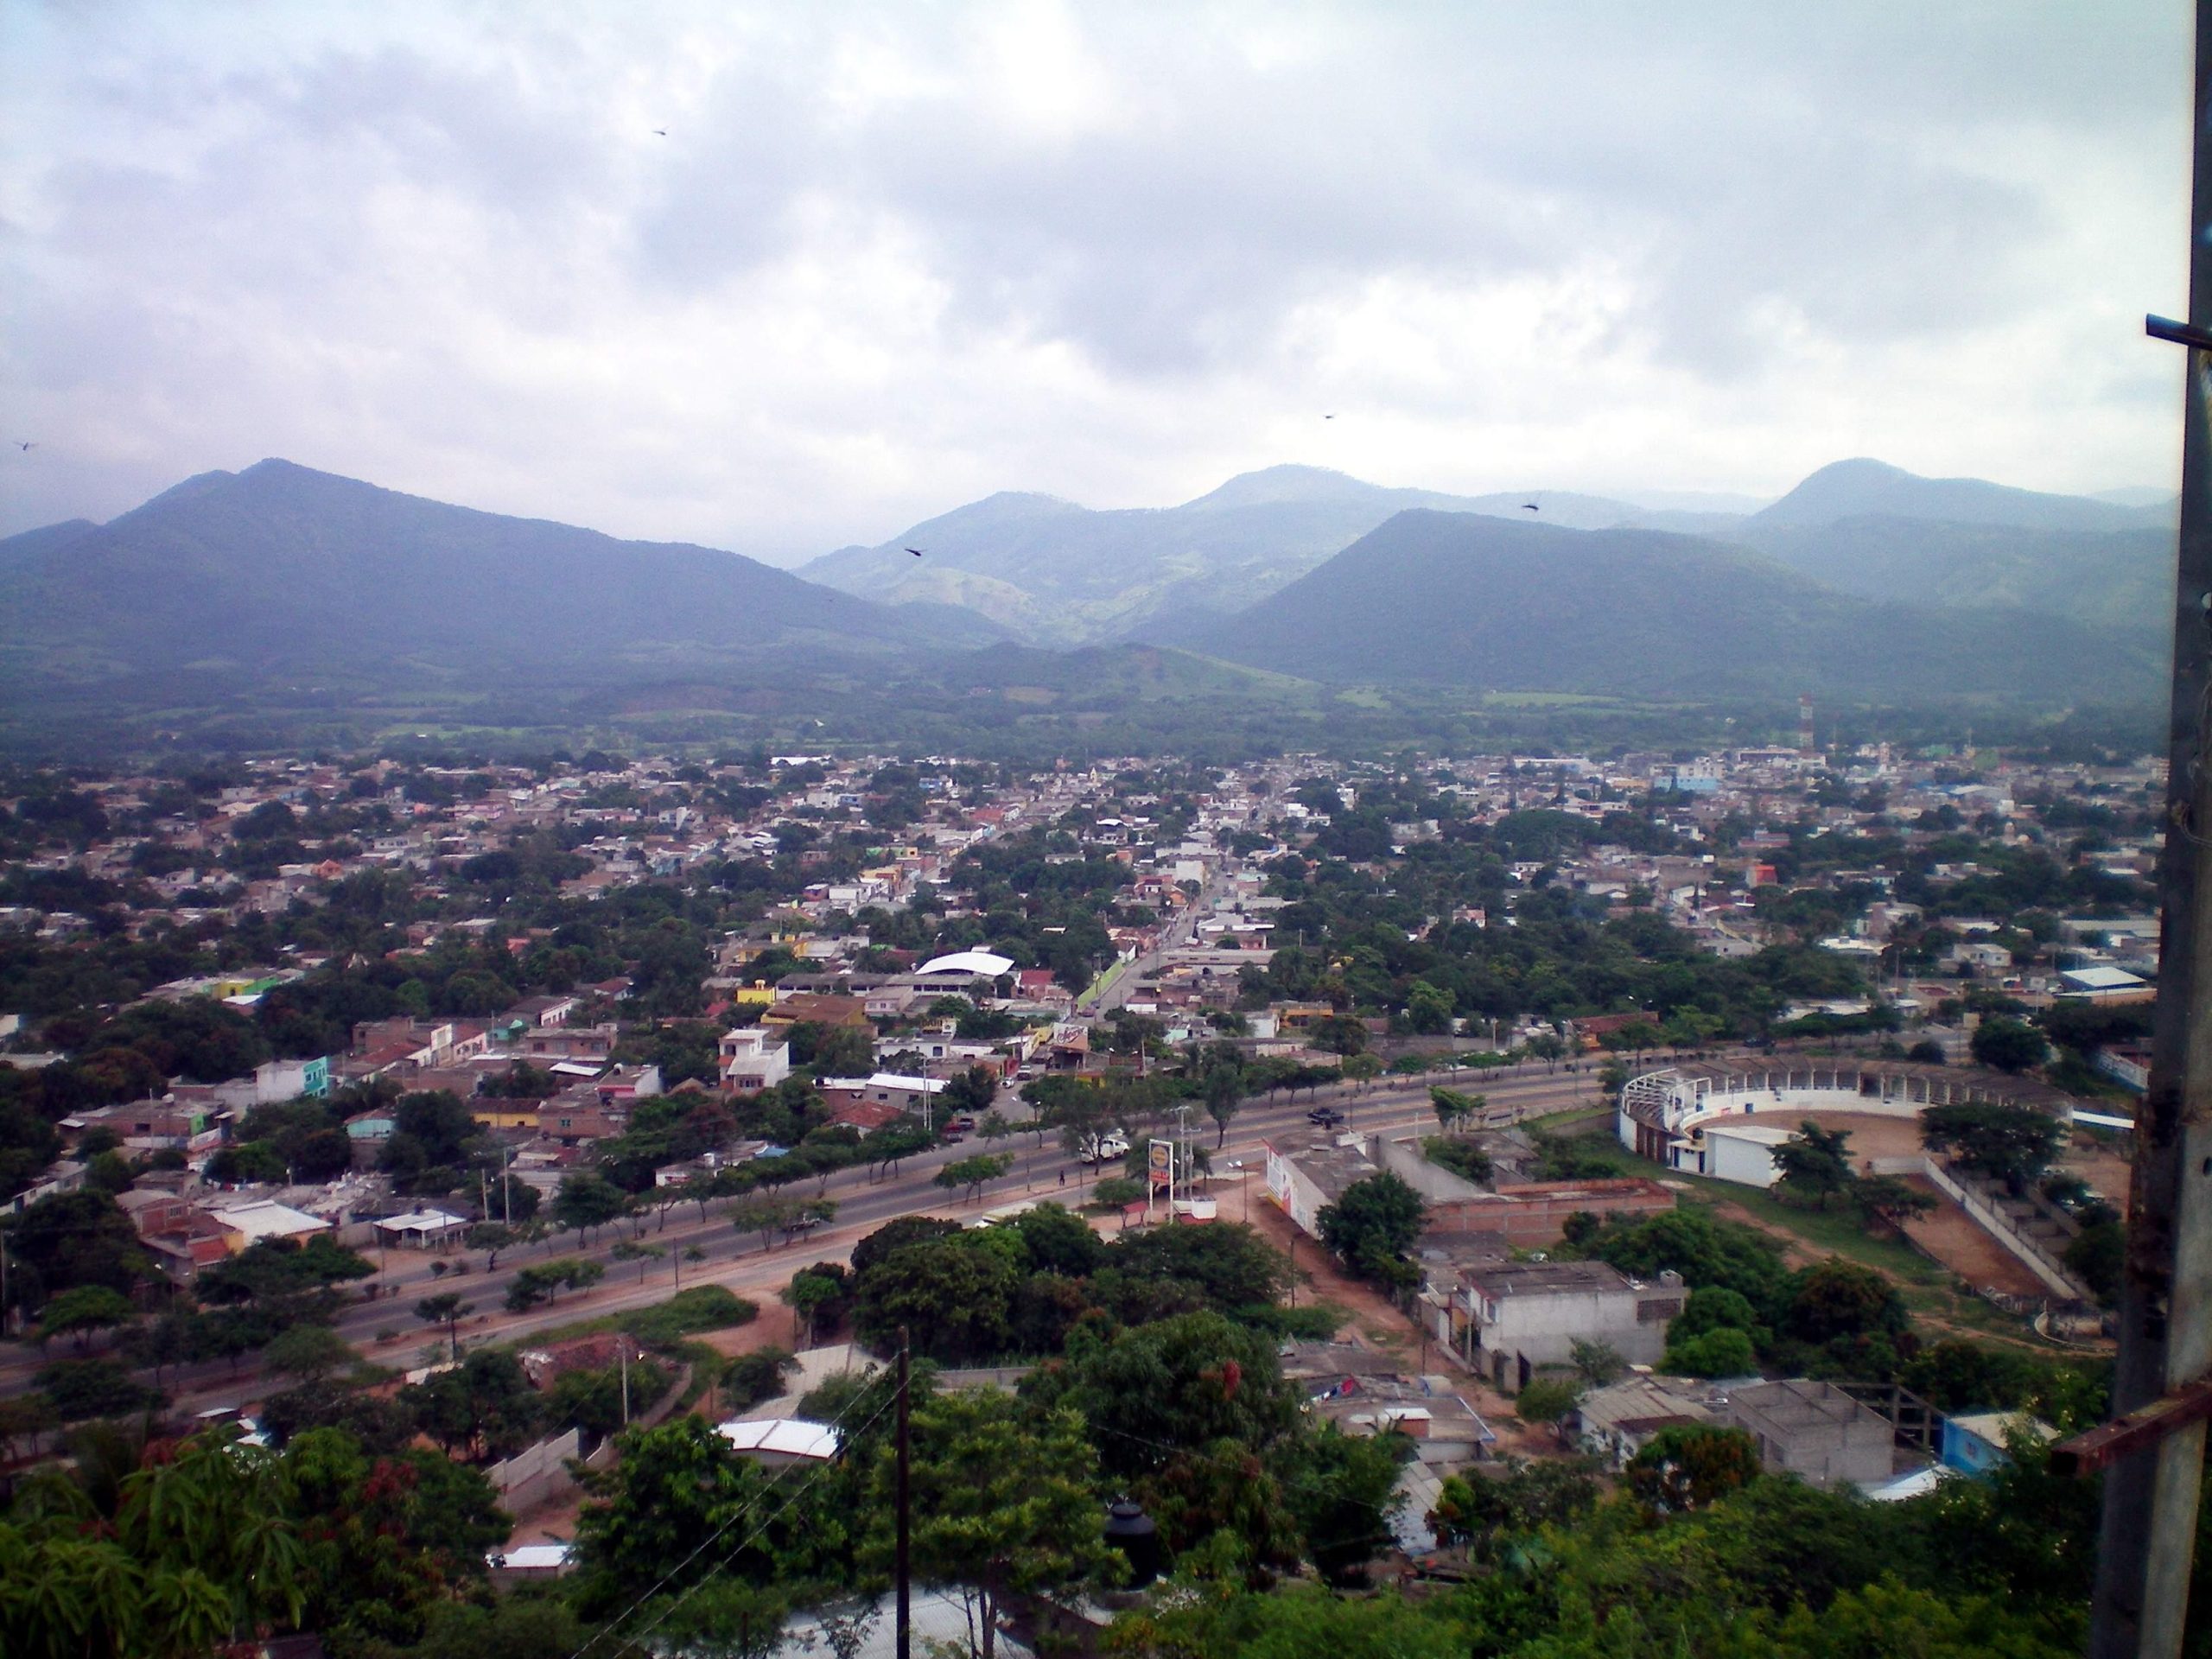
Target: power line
[712, 1538]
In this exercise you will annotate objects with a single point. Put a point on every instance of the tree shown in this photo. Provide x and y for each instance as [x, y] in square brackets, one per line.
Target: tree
[954, 1297]
[973, 1173]
[1548, 1399]
[82, 1310]
[485, 1405]
[1596, 1364]
[643, 1255]
[1887, 1199]
[307, 1353]
[2011, 1144]
[1428, 1008]
[2008, 1044]
[1815, 1164]
[1372, 1226]
[971, 1092]
[490, 1237]
[1723, 1352]
[1839, 1299]
[815, 1293]
[1179, 1384]
[765, 1213]
[674, 1489]
[1002, 1500]
[1224, 1095]
[588, 1199]
[449, 1310]
[1454, 1109]
[1343, 1491]
[1692, 1466]
[538, 1282]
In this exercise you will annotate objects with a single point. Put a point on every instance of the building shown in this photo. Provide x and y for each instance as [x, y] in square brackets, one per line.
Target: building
[1975, 1442]
[1305, 1181]
[752, 1060]
[1616, 1422]
[1814, 1431]
[1509, 1320]
[816, 1008]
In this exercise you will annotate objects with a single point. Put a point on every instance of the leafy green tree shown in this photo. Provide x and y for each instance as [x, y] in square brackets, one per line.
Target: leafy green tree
[2008, 1044]
[308, 1353]
[973, 1173]
[674, 1489]
[587, 1200]
[1722, 1352]
[485, 1405]
[2011, 1144]
[1839, 1299]
[1224, 1096]
[1002, 1501]
[81, 1310]
[1596, 1364]
[955, 1300]
[1428, 1008]
[1454, 1110]
[1815, 1164]
[1887, 1199]
[1177, 1385]
[447, 1309]
[1691, 1466]
[817, 1297]
[1547, 1399]
[1343, 1491]
[77, 1389]
[1373, 1225]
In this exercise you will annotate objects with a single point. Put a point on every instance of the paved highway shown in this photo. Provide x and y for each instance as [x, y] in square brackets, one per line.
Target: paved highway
[738, 1261]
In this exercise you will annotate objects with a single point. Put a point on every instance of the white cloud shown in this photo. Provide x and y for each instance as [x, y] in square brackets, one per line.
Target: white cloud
[888, 259]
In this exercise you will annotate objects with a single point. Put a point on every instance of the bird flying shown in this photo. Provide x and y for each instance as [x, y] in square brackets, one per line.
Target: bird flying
[916, 551]
[26, 447]
[1529, 506]
[1328, 417]
[660, 132]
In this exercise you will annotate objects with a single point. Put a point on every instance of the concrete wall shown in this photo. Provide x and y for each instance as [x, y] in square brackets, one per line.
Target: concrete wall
[1739, 1158]
[1401, 1156]
[1530, 1216]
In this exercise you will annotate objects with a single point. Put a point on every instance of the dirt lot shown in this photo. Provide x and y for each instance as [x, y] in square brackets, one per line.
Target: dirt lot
[1964, 1246]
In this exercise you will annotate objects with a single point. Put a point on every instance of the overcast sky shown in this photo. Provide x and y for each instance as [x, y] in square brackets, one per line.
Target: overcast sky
[888, 259]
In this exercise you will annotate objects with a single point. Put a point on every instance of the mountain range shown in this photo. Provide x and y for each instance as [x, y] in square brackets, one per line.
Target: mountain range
[279, 585]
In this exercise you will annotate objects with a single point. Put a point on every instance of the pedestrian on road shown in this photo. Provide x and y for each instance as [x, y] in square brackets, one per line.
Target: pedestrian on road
[1064, 1177]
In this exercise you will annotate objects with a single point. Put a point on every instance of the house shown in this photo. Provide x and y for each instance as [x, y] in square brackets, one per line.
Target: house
[754, 1058]
[885, 1088]
[1304, 1181]
[252, 1223]
[1616, 1422]
[566, 1042]
[816, 1008]
[1508, 1319]
[1975, 1442]
[1814, 1431]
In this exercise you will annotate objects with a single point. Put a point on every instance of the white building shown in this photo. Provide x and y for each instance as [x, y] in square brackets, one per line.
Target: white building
[753, 1060]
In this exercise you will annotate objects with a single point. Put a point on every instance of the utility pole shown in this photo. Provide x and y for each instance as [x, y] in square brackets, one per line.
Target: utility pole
[903, 1566]
[2161, 1395]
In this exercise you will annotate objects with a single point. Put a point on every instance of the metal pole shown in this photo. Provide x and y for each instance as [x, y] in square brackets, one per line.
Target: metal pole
[903, 1567]
[2149, 1531]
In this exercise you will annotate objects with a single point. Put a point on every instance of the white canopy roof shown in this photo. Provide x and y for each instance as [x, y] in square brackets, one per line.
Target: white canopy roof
[789, 1437]
[989, 964]
[420, 1221]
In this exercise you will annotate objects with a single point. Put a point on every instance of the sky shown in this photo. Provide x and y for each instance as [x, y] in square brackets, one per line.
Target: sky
[888, 259]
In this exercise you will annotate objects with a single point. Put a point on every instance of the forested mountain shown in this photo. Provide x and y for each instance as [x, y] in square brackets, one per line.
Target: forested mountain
[282, 569]
[1458, 599]
[1862, 488]
[2121, 579]
[1057, 574]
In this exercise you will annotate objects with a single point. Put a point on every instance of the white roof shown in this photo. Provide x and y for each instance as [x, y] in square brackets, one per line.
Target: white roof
[529, 1557]
[1913, 1484]
[791, 1436]
[420, 1221]
[269, 1219]
[989, 964]
[2102, 979]
[1765, 1135]
[575, 1069]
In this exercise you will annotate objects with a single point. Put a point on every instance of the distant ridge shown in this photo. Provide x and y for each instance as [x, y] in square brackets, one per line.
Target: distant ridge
[1851, 489]
[1464, 600]
[282, 567]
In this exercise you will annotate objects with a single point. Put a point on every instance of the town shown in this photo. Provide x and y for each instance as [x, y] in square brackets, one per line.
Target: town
[1534, 1126]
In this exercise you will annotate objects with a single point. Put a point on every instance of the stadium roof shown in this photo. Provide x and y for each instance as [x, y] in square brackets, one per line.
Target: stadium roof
[989, 964]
